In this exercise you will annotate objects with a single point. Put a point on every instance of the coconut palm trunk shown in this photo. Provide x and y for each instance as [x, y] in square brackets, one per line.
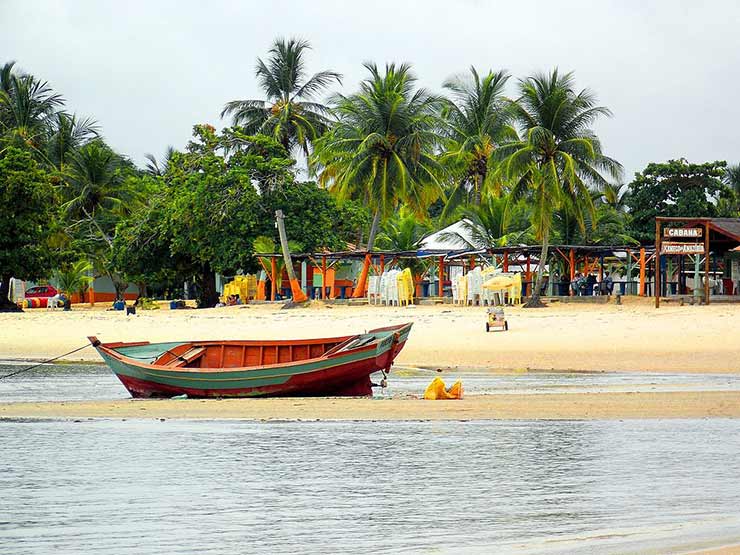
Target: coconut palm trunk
[534, 298]
[362, 280]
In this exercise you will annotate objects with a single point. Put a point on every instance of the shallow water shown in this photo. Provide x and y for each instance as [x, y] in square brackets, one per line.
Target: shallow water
[73, 382]
[225, 487]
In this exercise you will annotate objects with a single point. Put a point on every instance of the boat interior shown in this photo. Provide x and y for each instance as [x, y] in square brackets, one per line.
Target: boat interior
[244, 354]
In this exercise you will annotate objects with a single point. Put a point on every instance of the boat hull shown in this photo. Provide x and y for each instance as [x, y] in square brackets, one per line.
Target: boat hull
[341, 374]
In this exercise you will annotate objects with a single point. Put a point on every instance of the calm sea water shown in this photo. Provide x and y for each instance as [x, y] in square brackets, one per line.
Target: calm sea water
[224, 487]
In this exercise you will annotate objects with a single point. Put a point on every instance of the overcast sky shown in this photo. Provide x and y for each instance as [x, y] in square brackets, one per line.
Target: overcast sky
[149, 70]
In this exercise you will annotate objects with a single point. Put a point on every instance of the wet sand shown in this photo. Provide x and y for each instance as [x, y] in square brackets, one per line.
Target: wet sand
[582, 337]
[576, 406]
[727, 550]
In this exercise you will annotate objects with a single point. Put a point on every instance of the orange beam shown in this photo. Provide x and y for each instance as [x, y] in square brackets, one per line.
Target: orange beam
[323, 277]
[643, 263]
[362, 280]
[273, 279]
[572, 264]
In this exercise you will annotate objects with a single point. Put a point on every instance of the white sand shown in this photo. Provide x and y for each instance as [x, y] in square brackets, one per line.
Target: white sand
[631, 337]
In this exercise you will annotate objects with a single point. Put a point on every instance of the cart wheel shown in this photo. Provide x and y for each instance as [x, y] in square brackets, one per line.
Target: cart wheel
[506, 326]
[488, 327]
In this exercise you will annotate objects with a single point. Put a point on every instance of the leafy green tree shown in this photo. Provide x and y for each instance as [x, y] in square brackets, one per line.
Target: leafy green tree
[141, 246]
[558, 157]
[674, 188]
[290, 114]
[476, 120]
[27, 198]
[313, 217]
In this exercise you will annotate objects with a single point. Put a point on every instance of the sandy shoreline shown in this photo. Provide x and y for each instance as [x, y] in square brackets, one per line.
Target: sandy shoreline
[631, 337]
[570, 406]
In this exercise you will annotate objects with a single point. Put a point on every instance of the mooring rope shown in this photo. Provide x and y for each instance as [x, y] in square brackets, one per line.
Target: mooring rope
[44, 362]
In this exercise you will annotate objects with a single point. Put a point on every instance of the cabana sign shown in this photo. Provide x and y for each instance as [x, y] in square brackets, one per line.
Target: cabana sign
[683, 232]
[671, 247]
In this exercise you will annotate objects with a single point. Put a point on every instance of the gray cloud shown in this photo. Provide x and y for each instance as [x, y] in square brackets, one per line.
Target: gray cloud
[148, 71]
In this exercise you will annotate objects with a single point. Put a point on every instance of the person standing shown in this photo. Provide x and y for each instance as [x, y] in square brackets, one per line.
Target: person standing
[591, 284]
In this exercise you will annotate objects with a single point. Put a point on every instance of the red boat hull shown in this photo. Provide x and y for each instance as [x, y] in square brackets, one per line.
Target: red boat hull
[339, 366]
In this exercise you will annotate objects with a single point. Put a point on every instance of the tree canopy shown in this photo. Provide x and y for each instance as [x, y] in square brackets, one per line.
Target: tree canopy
[674, 188]
[27, 198]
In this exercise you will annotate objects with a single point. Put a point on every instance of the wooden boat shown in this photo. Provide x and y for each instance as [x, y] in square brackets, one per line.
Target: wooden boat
[302, 367]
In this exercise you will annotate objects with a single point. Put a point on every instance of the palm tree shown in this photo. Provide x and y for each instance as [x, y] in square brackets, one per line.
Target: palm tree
[616, 196]
[732, 178]
[158, 168]
[75, 278]
[65, 135]
[96, 195]
[559, 156]
[403, 232]
[27, 107]
[496, 222]
[476, 120]
[381, 150]
[290, 113]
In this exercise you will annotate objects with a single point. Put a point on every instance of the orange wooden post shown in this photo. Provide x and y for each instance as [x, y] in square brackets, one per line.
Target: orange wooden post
[506, 261]
[441, 288]
[323, 277]
[642, 272]
[472, 262]
[92, 296]
[273, 278]
[382, 263]
[572, 264]
[529, 274]
[362, 280]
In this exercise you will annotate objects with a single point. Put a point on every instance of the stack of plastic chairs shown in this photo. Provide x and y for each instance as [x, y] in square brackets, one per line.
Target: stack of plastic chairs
[462, 290]
[475, 286]
[405, 287]
[389, 287]
[373, 289]
[244, 286]
[515, 293]
[488, 297]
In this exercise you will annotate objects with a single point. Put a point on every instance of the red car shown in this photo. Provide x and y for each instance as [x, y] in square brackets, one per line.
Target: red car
[42, 293]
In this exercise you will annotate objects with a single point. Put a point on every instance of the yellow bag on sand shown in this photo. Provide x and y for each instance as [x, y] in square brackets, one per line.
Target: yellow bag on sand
[436, 390]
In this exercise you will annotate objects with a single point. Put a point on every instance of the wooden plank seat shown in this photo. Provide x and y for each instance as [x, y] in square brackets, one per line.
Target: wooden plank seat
[180, 356]
[186, 358]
